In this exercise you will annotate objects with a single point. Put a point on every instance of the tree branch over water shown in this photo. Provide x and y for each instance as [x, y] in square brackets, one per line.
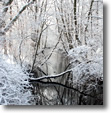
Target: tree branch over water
[51, 76]
[62, 85]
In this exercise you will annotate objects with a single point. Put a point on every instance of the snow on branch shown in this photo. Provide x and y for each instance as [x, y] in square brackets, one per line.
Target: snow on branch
[17, 16]
[50, 76]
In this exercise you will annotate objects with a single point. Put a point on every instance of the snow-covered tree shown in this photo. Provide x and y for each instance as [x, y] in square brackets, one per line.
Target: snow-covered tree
[59, 43]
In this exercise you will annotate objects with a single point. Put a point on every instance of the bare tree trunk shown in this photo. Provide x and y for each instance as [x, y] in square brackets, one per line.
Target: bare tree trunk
[75, 22]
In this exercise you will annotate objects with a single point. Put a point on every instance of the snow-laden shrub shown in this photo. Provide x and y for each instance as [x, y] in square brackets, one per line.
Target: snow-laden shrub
[14, 85]
[85, 64]
[87, 72]
[79, 54]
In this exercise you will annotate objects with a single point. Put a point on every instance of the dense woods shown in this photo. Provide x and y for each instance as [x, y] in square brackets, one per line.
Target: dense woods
[51, 52]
